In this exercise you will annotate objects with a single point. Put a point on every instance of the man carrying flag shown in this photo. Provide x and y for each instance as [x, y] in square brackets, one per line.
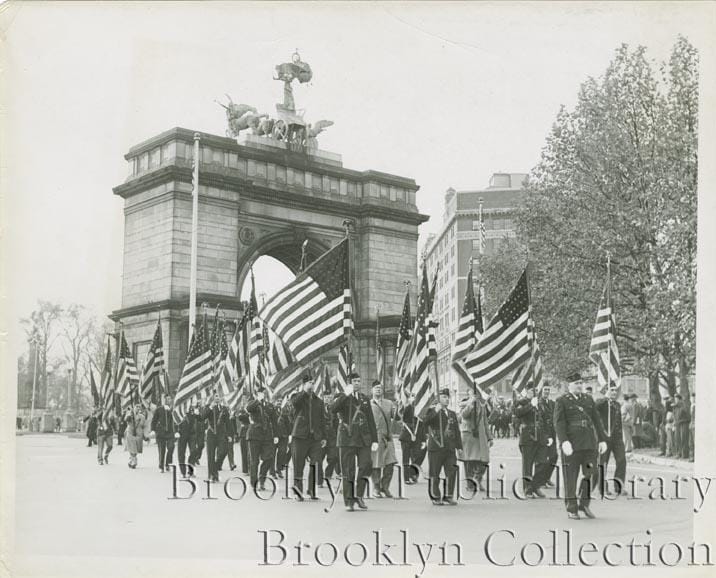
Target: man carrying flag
[468, 332]
[126, 375]
[153, 369]
[401, 349]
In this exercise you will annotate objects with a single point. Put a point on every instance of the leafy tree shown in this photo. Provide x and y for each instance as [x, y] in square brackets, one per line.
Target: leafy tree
[618, 175]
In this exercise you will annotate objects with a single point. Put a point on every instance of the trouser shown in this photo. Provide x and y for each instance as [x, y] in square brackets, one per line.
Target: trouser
[283, 454]
[245, 459]
[354, 478]
[184, 444]
[104, 445]
[529, 455]
[260, 451]
[692, 449]
[587, 461]
[442, 460]
[475, 470]
[412, 458]
[333, 463]
[683, 447]
[196, 450]
[300, 450]
[662, 440]
[628, 443]
[382, 477]
[165, 449]
[615, 447]
[230, 454]
[215, 452]
[670, 441]
[90, 439]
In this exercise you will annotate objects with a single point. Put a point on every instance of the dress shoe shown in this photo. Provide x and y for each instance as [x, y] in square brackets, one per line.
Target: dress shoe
[161, 470]
[387, 494]
[449, 502]
[573, 515]
[409, 482]
[106, 461]
[437, 502]
[314, 498]
[233, 467]
[587, 512]
[361, 504]
[548, 484]
[350, 508]
[298, 497]
[539, 493]
[377, 494]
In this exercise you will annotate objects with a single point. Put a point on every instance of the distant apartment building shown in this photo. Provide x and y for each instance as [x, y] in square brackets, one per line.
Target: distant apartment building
[452, 247]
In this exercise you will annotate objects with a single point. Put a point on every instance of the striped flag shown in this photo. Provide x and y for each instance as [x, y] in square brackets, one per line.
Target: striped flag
[504, 345]
[421, 382]
[234, 367]
[531, 371]
[286, 381]
[256, 341]
[94, 390]
[279, 357]
[401, 346]
[220, 348]
[106, 389]
[313, 313]
[234, 395]
[127, 380]
[323, 381]
[196, 375]
[379, 356]
[467, 334]
[603, 350]
[345, 365]
[153, 365]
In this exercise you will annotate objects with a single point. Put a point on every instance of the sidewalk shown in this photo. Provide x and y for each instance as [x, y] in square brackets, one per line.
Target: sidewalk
[651, 456]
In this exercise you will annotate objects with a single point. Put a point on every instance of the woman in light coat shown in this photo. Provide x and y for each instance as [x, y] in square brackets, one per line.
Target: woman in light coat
[476, 438]
[135, 434]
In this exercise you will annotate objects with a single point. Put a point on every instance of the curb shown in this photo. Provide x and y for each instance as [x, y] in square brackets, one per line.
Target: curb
[659, 461]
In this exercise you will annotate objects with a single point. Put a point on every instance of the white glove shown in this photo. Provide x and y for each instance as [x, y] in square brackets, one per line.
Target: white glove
[290, 438]
[423, 445]
[567, 448]
[374, 447]
[534, 402]
[549, 442]
[176, 434]
[275, 441]
[602, 447]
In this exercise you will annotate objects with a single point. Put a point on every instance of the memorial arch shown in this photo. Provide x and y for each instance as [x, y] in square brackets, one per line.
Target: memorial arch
[257, 198]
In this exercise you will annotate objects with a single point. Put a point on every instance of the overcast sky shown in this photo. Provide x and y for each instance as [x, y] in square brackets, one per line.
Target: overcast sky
[444, 94]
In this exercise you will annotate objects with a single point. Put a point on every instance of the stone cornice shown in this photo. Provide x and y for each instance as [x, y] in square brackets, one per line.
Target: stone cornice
[212, 300]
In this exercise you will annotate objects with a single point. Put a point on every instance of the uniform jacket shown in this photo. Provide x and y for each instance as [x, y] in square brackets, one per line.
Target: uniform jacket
[244, 422]
[384, 413]
[577, 421]
[285, 422]
[263, 417]
[616, 418]
[216, 419]
[163, 423]
[356, 426]
[187, 427]
[413, 423]
[309, 417]
[106, 427]
[443, 430]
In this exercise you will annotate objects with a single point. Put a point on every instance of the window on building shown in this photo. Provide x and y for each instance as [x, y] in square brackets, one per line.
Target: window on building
[475, 245]
[280, 174]
[476, 225]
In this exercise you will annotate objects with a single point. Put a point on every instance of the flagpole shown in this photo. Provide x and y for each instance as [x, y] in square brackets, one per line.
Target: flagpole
[482, 229]
[609, 342]
[194, 236]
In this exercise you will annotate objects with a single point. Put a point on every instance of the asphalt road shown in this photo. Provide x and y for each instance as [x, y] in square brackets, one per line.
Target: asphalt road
[68, 505]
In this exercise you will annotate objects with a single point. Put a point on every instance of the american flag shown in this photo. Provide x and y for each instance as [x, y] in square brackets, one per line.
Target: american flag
[153, 365]
[323, 381]
[603, 350]
[106, 389]
[127, 381]
[379, 355]
[234, 367]
[531, 371]
[256, 340]
[220, 348]
[467, 333]
[196, 377]
[401, 346]
[504, 345]
[94, 390]
[345, 365]
[234, 395]
[313, 313]
[285, 381]
[279, 357]
[421, 382]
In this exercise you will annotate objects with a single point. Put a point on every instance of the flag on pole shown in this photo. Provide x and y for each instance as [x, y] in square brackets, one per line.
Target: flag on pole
[196, 376]
[127, 381]
[284, 382]
[531, 371]
[504, 345]
[603, 350]
[94, 390]
[379, 356]
[153, 365]
[467, 333]
[313, 313]
[401, 346]
[323, 381]
[345, 365]
[106, 387]
[234, 368]
[220, 348]
[279, 357]
[422, 384]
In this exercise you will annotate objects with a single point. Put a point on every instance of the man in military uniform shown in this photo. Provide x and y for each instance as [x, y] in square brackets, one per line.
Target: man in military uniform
[531, 432]
[262, 438]
[443, 441]
[242, 417]
[610, 413]
[308, 438]
[580, 434]
[163, 428]
[356, 439]
[384, 460]
[333, 464]
[547, 459]
[284, 424]
[187, 433]
[216, 417]
[105, 433]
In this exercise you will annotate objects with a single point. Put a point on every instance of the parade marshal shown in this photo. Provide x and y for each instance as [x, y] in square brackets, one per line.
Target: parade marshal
[580, 433]
[384, 413]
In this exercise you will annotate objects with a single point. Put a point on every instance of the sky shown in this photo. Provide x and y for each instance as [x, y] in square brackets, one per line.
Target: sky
[446, 94]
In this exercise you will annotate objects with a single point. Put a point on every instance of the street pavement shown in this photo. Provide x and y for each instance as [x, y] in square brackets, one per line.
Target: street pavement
[68, 505]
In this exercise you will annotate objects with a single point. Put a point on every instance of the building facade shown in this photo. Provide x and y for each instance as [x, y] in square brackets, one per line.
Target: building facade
[451, 249]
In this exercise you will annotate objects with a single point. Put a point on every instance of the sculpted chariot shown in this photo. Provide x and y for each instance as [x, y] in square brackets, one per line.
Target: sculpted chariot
[289, 125]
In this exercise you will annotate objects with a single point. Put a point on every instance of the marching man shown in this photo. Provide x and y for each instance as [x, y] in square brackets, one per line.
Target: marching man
[384, 460]
[443, 440]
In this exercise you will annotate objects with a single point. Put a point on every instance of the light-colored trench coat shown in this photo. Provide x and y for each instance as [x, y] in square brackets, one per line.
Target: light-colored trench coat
[383, 414]
[475, 433]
